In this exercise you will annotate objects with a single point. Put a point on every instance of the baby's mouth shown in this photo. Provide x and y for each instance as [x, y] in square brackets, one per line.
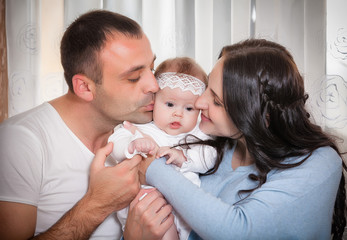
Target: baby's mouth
[175, 125]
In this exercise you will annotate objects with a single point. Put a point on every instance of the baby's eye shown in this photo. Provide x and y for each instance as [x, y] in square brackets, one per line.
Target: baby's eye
[169, 104]
[189, 109]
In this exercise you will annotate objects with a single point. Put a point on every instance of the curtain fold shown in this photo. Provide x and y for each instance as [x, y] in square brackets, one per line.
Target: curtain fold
[22, 29]
[332, 94]
[3, 65]
[185, 28]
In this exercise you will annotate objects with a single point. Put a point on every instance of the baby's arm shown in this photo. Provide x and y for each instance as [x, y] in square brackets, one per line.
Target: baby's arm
[121, 139]
[128, 143]
[200, 159]
[175, 156]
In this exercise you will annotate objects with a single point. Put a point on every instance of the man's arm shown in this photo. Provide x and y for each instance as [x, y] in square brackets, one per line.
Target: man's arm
[17, 220]
[110, 189]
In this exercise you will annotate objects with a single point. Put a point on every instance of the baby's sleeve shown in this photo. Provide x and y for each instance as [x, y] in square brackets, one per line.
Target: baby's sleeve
[200, 158]
[121, 139]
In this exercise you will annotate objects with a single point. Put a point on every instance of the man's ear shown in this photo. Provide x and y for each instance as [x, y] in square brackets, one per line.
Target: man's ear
[83, 87]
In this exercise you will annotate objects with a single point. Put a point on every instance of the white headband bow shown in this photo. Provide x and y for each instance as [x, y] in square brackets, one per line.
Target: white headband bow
[180, 80]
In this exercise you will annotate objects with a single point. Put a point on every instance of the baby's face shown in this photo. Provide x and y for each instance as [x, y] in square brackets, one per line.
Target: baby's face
[174, 111]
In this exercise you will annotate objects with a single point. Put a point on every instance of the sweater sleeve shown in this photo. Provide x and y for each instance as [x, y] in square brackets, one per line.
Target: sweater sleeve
[198, 208]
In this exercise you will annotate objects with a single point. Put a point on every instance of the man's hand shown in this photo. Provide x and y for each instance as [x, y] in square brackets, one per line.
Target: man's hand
[149, 216]
[110, 189]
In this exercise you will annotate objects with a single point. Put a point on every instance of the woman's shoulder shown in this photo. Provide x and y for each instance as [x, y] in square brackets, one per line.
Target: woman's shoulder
[323, 155]
[322, 163]
[326, 156]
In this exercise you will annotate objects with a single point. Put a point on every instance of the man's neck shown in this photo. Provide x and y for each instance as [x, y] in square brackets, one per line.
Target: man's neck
[79, 116]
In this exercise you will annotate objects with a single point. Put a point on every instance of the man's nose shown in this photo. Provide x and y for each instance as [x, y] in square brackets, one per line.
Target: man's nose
[151, 83]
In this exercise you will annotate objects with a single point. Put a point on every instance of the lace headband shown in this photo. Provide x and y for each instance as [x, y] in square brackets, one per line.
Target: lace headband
[180, 80]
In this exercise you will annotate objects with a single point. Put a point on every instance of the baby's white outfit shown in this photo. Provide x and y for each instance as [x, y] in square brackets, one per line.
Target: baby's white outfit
[200, 158]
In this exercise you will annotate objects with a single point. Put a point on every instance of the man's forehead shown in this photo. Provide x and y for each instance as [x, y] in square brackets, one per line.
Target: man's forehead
[135, 68]
[133, 54]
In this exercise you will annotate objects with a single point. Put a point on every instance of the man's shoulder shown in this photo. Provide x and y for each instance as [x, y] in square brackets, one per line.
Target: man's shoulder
[33, 113]
[30, 121]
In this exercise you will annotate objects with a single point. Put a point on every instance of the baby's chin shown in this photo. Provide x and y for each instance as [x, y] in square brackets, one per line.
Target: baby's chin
[175, 132]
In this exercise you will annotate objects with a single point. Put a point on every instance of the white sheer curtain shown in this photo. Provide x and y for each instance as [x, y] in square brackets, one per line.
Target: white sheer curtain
[313, 30]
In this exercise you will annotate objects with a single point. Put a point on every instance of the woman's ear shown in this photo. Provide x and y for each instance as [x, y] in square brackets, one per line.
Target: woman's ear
[83, 87]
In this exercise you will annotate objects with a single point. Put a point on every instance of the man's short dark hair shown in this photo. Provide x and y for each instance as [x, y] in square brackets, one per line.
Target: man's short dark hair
[86, 36]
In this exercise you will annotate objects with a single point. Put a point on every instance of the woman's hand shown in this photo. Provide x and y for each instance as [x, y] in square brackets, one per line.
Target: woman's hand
[149, 216]
[144, 164]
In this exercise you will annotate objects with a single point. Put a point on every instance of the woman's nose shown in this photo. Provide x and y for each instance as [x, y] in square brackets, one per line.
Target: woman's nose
[201, 102]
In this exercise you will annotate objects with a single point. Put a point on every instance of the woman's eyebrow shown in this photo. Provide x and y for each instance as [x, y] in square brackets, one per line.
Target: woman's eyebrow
[215, 95]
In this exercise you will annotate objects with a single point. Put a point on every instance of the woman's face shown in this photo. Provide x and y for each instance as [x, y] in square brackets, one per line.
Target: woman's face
[214, 119]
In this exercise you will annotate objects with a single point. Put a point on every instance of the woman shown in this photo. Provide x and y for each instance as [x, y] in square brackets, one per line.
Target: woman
[277, 174]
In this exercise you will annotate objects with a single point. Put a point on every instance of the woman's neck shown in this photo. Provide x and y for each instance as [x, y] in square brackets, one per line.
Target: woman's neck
[241, 156]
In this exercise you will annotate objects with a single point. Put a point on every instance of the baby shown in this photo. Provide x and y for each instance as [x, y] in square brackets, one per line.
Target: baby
[175, 120]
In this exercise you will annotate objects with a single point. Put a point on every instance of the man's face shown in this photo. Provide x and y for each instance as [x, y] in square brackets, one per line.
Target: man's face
[128, 83]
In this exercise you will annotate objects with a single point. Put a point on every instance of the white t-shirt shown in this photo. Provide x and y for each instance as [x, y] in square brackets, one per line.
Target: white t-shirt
[45, 165]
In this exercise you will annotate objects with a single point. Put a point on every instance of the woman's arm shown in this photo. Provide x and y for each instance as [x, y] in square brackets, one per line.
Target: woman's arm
[286, 205]
[195, 205]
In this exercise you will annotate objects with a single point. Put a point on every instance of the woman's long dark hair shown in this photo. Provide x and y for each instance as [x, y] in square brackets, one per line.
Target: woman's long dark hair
[268, 107]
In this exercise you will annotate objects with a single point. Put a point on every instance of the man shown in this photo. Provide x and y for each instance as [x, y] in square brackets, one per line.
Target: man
[47, 153]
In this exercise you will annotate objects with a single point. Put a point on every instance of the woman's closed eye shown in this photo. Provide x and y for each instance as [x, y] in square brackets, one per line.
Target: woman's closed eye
[217, 102]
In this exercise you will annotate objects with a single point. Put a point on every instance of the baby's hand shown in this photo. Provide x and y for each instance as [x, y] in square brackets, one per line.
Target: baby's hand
[175, 156]
[143, 145]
